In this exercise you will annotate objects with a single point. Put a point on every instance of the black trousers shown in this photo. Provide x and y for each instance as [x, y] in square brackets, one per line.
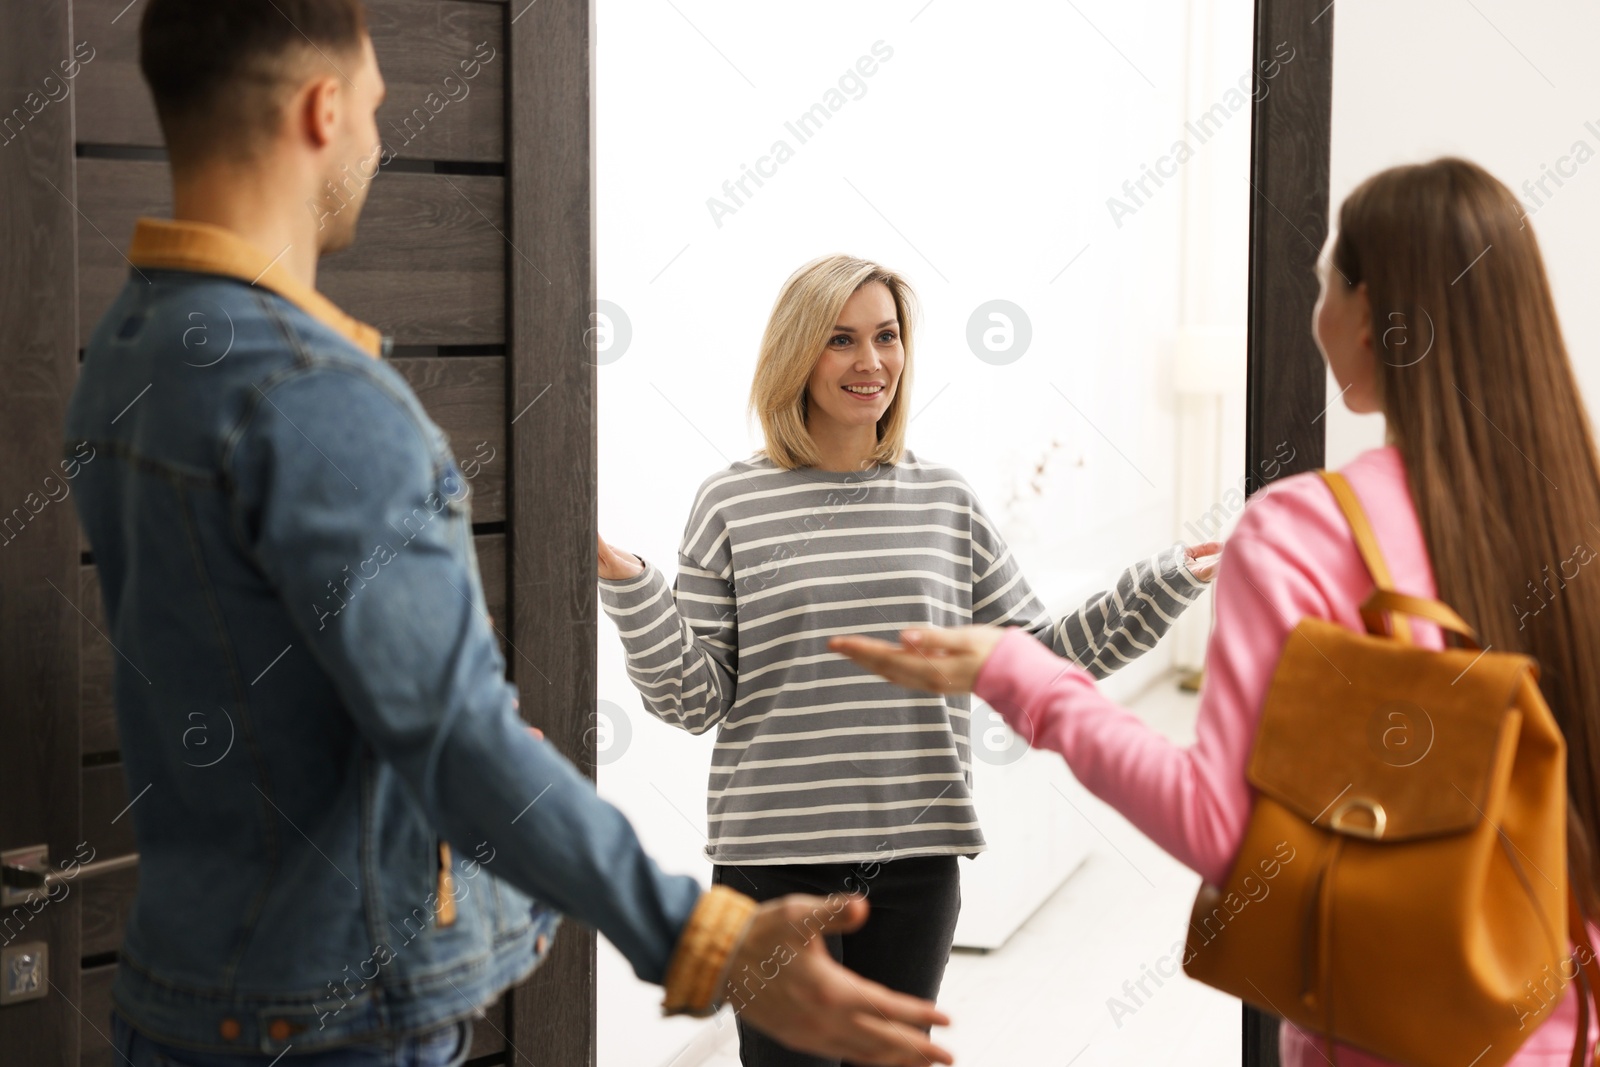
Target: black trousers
[904, 945]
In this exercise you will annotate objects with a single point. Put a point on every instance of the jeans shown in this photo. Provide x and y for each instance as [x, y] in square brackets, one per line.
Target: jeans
[444, 1046]
[904, 945]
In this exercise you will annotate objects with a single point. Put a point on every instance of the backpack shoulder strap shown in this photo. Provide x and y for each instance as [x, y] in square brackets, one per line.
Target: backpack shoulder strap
[1587, 978]
[1366, 543]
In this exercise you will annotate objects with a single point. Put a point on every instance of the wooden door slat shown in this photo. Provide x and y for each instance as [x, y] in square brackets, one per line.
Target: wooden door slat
[107, 900]
[433, 110]
[428, 267]
[94, 1024]
[465, 395]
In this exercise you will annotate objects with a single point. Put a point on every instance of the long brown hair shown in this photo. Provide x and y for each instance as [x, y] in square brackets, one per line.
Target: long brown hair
[1482, 403]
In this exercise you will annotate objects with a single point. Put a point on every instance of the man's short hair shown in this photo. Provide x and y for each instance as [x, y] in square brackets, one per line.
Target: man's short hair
[219, 69]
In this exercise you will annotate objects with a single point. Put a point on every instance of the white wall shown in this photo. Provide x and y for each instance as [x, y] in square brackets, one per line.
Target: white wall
[978, 159]
[1509, 85]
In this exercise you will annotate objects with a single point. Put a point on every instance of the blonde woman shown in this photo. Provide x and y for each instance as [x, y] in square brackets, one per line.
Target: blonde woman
[825, 778]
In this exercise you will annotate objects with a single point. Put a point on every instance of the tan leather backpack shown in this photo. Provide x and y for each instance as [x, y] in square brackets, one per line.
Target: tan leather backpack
[1402, 886]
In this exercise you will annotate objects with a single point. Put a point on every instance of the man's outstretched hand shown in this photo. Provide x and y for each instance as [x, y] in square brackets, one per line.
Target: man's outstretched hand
[783, 981]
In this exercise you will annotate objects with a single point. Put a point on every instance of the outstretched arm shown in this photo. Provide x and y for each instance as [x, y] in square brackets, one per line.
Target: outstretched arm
[680, 640]
[1111, 629]
[1115, 627]
[1194, 801]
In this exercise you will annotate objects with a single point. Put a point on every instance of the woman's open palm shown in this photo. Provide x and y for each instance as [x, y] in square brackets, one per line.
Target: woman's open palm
[933, 659]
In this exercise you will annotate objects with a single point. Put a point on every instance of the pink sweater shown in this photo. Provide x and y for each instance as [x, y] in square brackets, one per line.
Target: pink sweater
[1292, 555]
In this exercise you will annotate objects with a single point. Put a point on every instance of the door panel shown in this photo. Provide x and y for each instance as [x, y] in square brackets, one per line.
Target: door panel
[39, 768]
[435, 265]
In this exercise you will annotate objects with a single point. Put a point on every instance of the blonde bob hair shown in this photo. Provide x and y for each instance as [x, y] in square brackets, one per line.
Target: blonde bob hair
[802, 320]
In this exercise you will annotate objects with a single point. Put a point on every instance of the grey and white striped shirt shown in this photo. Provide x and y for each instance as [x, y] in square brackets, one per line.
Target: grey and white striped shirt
[817, 761]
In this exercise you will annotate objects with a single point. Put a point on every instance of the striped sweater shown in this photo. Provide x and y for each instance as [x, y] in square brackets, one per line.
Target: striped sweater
[817, 761]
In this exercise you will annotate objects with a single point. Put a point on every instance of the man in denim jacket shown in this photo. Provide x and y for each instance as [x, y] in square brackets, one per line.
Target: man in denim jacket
[344, 872]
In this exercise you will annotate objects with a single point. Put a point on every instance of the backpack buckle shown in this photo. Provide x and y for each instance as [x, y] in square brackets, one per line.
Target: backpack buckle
[1373, 832]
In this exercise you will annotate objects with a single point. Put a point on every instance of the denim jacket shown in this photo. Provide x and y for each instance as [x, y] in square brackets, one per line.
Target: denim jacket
[310, 696]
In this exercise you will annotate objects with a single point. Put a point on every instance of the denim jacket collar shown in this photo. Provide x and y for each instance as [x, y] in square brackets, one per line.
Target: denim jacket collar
[171, 244]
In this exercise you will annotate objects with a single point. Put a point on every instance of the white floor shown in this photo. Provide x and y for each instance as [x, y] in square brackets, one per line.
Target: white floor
[1055, 993]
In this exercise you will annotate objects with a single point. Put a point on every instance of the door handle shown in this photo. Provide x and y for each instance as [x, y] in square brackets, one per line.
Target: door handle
[25, 877]
[26, 872]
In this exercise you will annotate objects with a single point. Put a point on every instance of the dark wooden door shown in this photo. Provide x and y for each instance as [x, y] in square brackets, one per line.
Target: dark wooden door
[1286, 386]
[475, 252]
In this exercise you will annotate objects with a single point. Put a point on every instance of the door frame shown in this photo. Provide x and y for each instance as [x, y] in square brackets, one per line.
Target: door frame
[551, 497]
[1286, 384]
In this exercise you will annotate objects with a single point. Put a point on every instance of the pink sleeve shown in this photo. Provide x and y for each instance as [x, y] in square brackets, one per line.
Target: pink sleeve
[1194, 802]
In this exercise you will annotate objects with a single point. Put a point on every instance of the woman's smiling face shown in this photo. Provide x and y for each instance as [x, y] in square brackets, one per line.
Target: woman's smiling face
[858, 372]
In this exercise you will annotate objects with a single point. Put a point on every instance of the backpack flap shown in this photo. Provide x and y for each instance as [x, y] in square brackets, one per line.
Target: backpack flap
[1381, 740]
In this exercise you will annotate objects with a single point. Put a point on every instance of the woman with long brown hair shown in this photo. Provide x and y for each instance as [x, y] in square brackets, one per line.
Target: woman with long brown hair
[1435, 310]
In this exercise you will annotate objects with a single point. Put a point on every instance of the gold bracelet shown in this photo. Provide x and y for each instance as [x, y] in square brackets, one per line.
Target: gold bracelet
[700, 962]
